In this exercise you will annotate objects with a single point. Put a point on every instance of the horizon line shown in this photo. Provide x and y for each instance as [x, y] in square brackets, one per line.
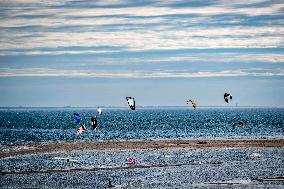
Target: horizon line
[149, 106]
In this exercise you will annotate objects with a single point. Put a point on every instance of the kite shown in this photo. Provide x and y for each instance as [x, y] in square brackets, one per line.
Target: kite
[239, 124]
[100, 111]
[77, 118]
[131, 160]
[131, 102]
[194, 105]
[227, 96]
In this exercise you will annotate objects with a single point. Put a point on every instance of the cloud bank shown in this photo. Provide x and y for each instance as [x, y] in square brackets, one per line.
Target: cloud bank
[142, 35]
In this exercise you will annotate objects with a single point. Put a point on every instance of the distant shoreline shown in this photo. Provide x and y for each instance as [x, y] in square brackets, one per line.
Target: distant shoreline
[125, 107]
[113, 145]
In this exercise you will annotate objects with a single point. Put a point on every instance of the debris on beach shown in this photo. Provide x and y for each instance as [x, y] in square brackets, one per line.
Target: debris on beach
[227, 182]
[77, 118]
[131, 160]
[201, 142]
[65, 159]
[81, 129]
[100, 111]
[193, 104]
[131, 102]
[254, 155]
[204, 162]
[227, 97]
[165, 155]
[271, 179]
[110, 185]
[94, 123]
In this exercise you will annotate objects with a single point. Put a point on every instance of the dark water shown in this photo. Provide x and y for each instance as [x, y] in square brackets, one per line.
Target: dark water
[56, 124]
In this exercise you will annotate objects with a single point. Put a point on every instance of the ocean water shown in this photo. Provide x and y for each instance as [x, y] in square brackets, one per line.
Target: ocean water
[57, 124]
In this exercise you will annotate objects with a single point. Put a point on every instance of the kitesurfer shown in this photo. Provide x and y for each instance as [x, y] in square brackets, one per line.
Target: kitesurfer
[94, 123]
[81, 129]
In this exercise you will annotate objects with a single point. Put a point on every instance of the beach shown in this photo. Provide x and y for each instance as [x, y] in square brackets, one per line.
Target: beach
[167, 163]
[48, 147]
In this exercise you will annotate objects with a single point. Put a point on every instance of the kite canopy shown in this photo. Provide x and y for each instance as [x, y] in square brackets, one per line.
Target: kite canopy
[194, 105]
[131, 102]
[94, 123]
[239, 124]
[131, 160]
[100, 111]
[77, 118]
[228, 96]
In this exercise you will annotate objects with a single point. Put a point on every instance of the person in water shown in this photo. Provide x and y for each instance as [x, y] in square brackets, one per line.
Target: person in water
[94, 123]
[81, 129]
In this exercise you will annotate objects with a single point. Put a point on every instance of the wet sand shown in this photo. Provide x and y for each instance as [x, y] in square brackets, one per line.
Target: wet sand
[160, 164]
[48, 147]
[105, 168]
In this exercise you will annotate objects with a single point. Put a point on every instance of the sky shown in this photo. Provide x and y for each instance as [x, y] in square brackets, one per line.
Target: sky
[162, 53]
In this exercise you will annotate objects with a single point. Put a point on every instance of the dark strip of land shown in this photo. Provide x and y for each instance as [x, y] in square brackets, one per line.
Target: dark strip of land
[107, 168]
[48, 147]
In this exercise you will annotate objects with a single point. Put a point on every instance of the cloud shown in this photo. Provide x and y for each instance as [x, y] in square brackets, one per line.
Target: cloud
[222, 58]
[59, 52]
[225, 8]
[42, 72]
[233, 37]
[54, 24]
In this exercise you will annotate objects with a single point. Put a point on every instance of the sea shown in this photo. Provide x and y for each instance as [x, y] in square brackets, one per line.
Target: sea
[25, 125]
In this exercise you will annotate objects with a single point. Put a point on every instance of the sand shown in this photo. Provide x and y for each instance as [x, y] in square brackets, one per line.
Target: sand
[48, 147]
[233, 163]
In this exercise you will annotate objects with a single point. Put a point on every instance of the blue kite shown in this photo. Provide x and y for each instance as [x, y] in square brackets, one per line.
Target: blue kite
[77, 118]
